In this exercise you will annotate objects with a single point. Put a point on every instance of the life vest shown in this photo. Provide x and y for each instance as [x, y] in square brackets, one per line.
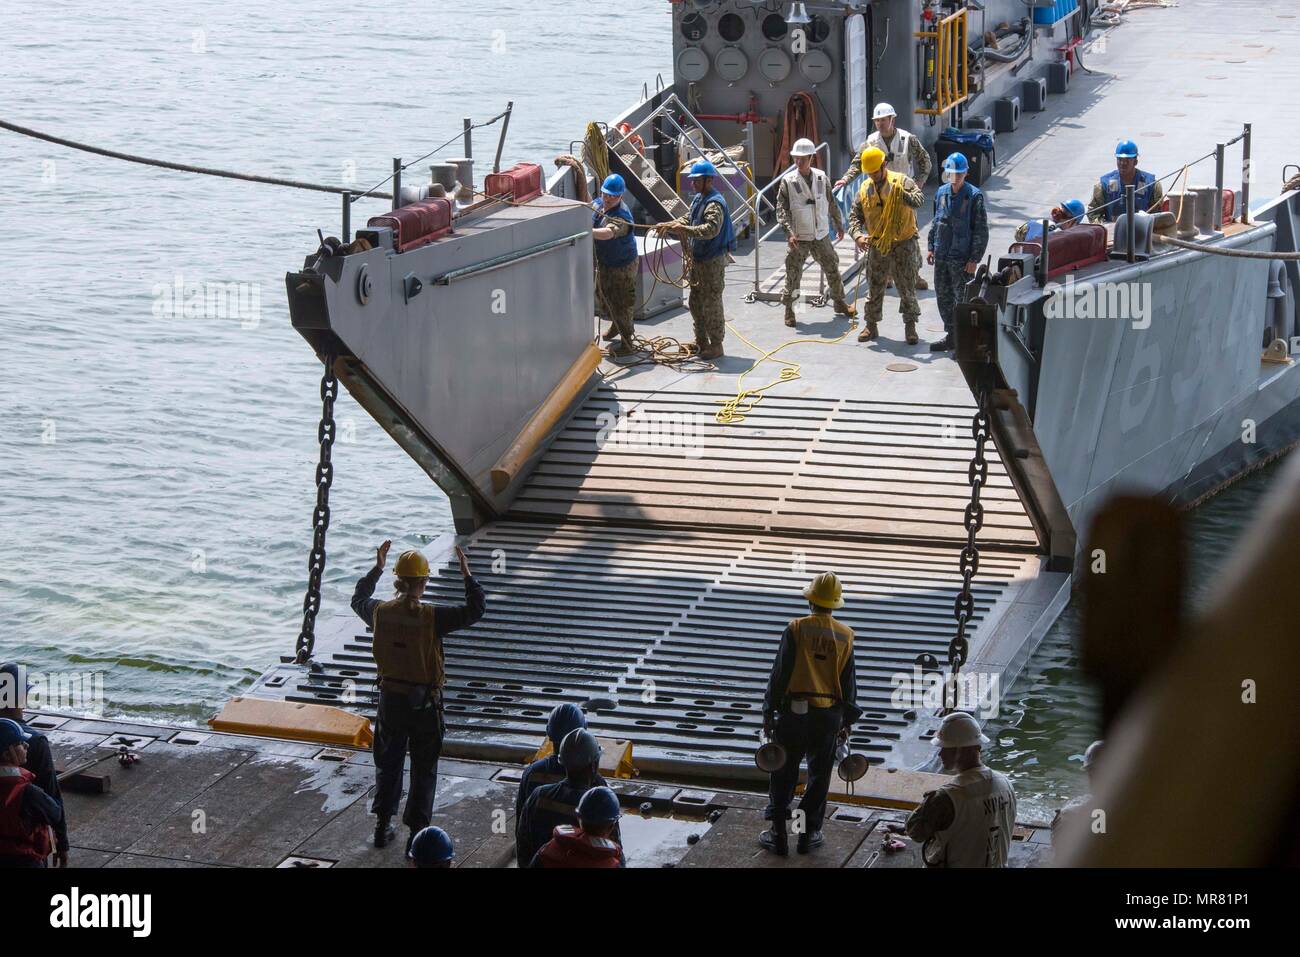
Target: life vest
[406, 645]
[1113, 191]
[984, 818]
[874, 208]
[898, 153]
[810, 212]
[822, 646]
[20, 837]
[574, 847]
[618, 251]
[702, 250]
[952, 222]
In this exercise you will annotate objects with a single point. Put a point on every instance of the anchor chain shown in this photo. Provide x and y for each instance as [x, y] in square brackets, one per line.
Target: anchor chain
[964, 605]
[325, 434]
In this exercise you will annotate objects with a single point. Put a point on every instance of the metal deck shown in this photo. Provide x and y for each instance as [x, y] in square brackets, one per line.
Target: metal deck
[264, 802]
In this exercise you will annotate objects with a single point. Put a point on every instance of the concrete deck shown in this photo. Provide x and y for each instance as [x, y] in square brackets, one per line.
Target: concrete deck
[196, 799]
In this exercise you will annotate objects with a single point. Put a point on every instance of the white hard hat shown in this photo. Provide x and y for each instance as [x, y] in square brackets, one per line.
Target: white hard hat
[803, 148]
[959, 730]
[882, 110]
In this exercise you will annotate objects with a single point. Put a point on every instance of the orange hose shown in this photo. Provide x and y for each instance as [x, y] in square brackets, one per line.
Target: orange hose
[798, 121]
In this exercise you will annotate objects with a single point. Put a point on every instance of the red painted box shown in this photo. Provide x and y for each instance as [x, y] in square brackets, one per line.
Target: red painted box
[417, 224]
[520, 182]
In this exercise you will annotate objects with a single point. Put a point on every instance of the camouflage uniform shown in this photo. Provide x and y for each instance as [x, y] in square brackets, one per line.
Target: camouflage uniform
[900, 263]
[616, 296]
[707, 282]
[822, 250]
[616, 286]
[918, 158]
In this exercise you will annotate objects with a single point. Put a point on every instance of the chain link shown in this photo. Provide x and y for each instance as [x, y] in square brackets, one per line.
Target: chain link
[964, 605]
[325, 435]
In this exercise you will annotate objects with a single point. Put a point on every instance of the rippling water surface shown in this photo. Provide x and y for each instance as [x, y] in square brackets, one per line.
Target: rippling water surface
[156, 470]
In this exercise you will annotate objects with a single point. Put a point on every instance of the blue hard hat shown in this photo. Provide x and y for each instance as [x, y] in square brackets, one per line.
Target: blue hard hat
[579, 750]
[431, 847]
[11, 733]
[956, 163]
[1126, 148]
[1075, 208]
[703, 168]
[598, 806]
[613, 185]
[564, 718]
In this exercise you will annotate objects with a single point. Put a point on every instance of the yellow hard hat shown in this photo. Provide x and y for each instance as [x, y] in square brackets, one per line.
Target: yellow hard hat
[824, 591]
[873, 157]
[412, 565]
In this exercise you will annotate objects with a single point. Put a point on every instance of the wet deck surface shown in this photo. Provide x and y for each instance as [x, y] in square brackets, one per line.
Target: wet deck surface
[234, 801]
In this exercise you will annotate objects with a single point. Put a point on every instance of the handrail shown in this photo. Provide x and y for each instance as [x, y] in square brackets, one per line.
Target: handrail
[950, 69]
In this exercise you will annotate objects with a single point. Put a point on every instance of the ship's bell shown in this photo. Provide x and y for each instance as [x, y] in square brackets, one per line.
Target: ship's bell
[798, 15]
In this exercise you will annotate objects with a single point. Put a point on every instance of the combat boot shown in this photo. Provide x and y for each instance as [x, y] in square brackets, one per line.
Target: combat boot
[611, 333]
[712, 351]
[789, 314]
[776, 840]
[624, 348]
[921, 283]
[383, 832]
[909, 330]
[942, 345]
[844, 309]
[869, 332]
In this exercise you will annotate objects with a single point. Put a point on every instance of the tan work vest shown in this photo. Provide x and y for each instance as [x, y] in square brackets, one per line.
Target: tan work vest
[898, 154]
[809, 208]
[822, 647]
[980, 835]
[407, 648]
[873, 207]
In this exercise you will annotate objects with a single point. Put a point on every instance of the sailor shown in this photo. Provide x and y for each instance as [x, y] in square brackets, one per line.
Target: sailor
[969, 821]
[407, 644]
[807, 211]
[548, 770]
[883, 223]
[594, 843]
[1081, 805]
[1069, 213]
[712, 237]
[959, 234]
[904, 153]
[616, 262]
[14, 687]
[27, 813]
[552, 805]
[432, 847]
[811, 703]
[1108, 202]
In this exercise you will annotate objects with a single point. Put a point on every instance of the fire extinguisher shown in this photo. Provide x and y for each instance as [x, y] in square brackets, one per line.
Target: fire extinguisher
[929, 60]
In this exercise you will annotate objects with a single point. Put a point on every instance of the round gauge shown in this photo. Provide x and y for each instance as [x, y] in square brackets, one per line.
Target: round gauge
[816, 66]
[731, 63]
[730, 27]
[774, 27]
[818, 30]
[692, 64]
[774, 63]
[694, 27]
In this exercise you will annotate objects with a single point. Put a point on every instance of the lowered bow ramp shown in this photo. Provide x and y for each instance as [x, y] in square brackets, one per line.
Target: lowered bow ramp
[661, 578]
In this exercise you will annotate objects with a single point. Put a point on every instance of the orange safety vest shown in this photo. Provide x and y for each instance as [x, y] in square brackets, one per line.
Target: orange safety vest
[573, 847]
[407, 647]
[822, 646]
[20, 837]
